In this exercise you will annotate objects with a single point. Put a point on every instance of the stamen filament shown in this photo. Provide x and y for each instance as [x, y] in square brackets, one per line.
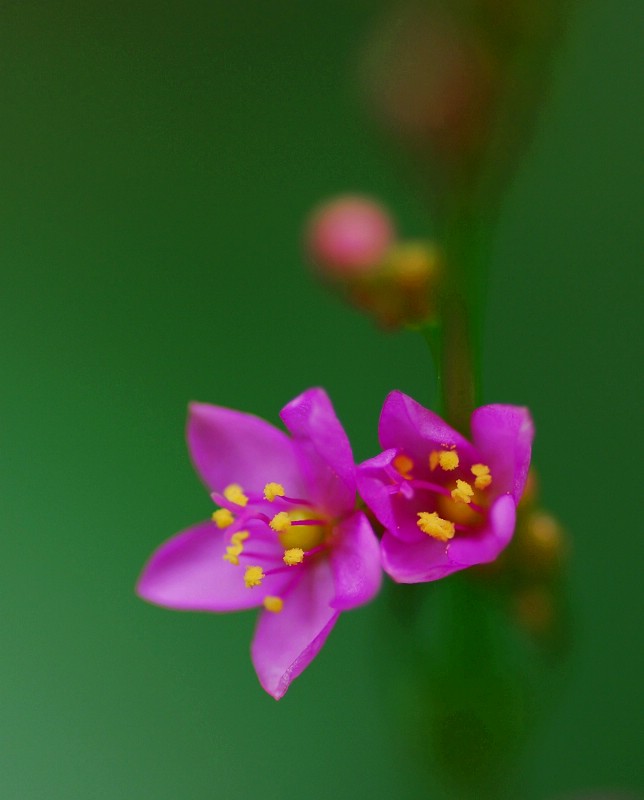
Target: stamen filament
[308, 522]
[432, 487]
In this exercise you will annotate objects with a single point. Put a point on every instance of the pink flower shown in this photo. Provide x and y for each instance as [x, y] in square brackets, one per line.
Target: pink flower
[286, 537]
[446, 503]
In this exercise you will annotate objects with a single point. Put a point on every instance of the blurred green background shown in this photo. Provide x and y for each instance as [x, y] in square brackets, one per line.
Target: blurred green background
[157, 162]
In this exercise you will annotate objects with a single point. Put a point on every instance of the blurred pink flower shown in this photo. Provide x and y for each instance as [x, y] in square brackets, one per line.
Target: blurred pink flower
[446, 503]
[286, 537]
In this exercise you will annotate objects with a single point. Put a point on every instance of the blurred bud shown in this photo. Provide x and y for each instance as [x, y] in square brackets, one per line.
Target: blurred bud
[429, 80]
[541, 544]
[534, 609]
[349, 236]
[351, 241]
[403, 290]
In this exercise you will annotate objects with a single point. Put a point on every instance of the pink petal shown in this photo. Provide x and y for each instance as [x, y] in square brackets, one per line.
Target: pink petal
[372, 483]
[355, 562]
[416, 430]
[503, 435]
[416, 562]
[233, 447]
[285, 643]
[188, 573]
[484, 546]
[325, 456]
[395, 511]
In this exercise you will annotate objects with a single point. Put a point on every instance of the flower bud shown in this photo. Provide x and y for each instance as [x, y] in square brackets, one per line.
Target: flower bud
[430, 80]
[403, 290]
[349, 236]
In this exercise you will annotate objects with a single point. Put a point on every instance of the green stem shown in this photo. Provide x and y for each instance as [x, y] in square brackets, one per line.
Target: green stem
[463, 235]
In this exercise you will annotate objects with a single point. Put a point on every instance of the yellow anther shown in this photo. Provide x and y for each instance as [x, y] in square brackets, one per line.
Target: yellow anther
[274, 604]
[294, 555]
[222, 517]
[403, 465]
[273, 490]
[253, 577]
[435, 526]
[232, 553]
[235, 494]
[482, 474]
[463, 492]
[448, 459]
[281, 522]
[239, 537]
[433, 459]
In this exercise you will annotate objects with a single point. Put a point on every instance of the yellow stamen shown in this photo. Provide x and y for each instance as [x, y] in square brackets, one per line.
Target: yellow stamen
[274, 604]
[232, 553]
[433, 459]
[435, 526]
[253, 577]
[273, 490]
[403, 465]
[222, 517]
[448, 459]
[294, 555]
[482, 474]
[235, 494]
[239, 537]
[463, 492]
[281, 522]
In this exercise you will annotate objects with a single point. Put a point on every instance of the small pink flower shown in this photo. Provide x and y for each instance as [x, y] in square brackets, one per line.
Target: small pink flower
[446, 503]
[286, 537]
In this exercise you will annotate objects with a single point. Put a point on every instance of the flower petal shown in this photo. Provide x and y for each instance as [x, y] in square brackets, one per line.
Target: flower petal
[503, 435]
[285, 643]
[398, 513]
[408, 426]
[355, 562]
[188, 573]
[483, 546]
[230, 446]
[324, 452]
[372, 482]
[415, 562]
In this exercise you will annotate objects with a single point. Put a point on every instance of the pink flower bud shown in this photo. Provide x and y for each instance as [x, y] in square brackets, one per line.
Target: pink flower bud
[349, 236]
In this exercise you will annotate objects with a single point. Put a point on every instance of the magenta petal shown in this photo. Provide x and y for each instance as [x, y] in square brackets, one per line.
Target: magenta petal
[372, 482]
[485, 545]
[188, 573]
[285, 643]
[396, 513]
[355, 561]
[233, 447]
[417, 562]
[503, 435]
[408, 426]
[324, 452]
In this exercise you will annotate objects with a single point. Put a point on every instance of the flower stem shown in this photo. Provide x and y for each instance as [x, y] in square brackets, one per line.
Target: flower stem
[455, 341]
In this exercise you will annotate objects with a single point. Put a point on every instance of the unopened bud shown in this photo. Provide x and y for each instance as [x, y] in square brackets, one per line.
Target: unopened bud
[541, 544]
[430, 80]
[534, 608]
[349, 236]
[403, 290]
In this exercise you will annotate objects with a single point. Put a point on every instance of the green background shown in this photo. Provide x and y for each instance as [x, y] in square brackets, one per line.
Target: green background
[157, 162]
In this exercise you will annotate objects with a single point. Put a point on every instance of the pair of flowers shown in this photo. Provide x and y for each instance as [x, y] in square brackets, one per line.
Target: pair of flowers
[289, 537]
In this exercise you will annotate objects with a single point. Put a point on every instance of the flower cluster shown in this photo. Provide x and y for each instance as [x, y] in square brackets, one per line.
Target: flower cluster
[289, 536]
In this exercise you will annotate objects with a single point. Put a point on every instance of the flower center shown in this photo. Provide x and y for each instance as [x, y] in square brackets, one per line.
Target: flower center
[306, 537]
[302, 533]
[458, 497]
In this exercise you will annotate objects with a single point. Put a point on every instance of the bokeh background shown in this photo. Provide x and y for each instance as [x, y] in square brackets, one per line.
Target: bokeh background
[157, 161]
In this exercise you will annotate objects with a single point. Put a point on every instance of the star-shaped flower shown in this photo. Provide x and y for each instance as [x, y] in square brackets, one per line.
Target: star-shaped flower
[286, 536]
[445, 503]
